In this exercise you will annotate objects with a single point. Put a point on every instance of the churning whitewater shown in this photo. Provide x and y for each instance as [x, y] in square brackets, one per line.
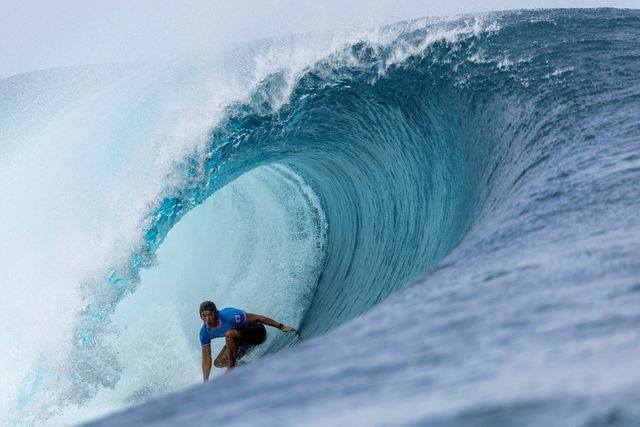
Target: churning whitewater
[446, 208]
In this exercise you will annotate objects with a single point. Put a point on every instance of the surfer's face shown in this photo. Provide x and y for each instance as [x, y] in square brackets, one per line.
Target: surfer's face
[209, 318]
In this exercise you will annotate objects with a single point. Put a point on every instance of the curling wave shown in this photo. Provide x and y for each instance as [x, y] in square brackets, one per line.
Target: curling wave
[393, 147]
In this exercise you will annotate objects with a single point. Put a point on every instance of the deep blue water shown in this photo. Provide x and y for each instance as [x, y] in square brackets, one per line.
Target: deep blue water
[478, 179]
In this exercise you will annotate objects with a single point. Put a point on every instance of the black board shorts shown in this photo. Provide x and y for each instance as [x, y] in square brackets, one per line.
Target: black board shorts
[250, 336]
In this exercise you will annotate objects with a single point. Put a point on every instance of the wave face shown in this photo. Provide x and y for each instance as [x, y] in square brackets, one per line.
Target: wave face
[491, 161]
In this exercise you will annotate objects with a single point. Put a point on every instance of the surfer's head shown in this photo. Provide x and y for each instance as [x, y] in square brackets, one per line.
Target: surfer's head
[209, 313]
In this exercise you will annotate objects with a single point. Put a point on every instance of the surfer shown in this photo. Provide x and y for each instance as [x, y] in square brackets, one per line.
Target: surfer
[242, 331]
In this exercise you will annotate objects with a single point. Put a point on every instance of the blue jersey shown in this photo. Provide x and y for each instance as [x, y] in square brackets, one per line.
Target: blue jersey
[228, 318]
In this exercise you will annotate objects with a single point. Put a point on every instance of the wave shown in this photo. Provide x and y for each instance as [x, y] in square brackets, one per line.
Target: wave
[387, 150]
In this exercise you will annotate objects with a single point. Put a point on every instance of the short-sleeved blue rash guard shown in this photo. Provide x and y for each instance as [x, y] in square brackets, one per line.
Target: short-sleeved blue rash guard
[228, 318]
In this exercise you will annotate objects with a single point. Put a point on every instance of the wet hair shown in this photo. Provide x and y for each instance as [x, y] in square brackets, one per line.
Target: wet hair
[208, 306]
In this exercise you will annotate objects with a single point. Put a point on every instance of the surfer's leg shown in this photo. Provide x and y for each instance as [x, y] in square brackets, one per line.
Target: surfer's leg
[235, 342]
[221, 359]
[231, 336]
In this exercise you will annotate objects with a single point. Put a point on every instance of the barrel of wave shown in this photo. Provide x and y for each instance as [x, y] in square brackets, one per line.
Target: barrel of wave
[257, 244]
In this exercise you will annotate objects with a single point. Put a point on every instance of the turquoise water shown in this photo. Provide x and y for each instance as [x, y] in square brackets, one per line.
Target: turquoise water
[454, 211]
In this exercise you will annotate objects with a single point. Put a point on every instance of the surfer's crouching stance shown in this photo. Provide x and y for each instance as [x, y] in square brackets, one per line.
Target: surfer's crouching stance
[241, 331]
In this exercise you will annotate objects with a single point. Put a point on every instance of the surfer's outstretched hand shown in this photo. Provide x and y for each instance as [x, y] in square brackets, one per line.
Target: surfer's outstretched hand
[290, 329]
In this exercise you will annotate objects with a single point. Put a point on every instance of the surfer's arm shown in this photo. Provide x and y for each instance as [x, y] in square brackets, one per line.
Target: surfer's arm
[257, 318]
[206, 362]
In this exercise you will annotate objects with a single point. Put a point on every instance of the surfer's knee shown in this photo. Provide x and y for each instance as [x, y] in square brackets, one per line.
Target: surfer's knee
[231, 335]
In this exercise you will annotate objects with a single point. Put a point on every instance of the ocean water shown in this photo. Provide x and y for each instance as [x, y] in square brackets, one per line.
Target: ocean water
[447, 209]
